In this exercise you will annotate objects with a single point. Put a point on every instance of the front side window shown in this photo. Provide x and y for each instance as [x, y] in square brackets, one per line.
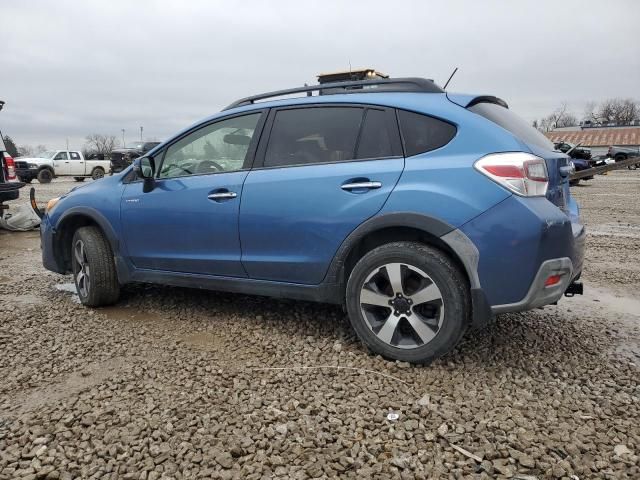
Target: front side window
[62, 156]
[422, 133]
[304, 136]
[218, 147]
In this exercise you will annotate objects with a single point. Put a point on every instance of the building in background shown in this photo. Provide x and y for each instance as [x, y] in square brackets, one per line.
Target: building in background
[599, 138]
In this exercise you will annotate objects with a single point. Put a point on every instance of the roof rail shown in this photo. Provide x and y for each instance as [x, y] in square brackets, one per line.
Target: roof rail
[383, 84]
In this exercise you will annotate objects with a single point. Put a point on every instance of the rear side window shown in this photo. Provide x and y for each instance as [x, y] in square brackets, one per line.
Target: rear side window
[305, 136]
[375, 141]
[513, 123]
[422, 133]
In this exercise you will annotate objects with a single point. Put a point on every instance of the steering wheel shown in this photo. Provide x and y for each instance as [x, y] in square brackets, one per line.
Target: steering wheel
[209, 166]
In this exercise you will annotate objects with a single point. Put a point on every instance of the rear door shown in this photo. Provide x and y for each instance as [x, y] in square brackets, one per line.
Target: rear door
[322, 171]
[76, 164]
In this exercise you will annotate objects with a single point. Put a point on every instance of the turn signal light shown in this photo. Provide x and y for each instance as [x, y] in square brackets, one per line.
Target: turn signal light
[552, 280]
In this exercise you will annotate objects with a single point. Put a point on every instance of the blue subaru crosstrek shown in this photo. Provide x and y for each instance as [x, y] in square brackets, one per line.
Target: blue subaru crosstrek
[422, 212]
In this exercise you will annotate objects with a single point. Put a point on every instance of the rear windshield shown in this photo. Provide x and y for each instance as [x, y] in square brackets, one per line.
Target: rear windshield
[513, 123]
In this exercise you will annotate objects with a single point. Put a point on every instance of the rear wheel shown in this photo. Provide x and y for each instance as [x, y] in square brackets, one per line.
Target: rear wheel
[26, 179]
[45, 175]
[97, 173]
[94, 271]
[408, 301]
[79, 179]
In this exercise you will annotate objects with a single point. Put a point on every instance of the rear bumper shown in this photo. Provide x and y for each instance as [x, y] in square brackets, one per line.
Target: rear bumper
[521, 240]
[539, 294]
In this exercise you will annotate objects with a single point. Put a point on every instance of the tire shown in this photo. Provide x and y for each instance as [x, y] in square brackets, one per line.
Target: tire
[26, 179]
[634, 166]
[79, 179]
[94, 271]
[620, 157]
[45, 176]
[97, 173]
[573, 183]
[386, 326]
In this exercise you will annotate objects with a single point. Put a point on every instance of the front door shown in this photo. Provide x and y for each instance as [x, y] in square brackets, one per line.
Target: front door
[324, 171]
[189, 222]
[61, 163]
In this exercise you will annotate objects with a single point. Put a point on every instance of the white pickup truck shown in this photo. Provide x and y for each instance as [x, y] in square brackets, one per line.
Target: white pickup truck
[60, 163]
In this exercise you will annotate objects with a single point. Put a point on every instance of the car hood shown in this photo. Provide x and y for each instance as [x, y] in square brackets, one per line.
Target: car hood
[32, 159]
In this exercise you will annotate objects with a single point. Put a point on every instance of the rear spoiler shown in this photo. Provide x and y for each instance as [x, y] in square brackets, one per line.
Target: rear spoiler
[468, 101]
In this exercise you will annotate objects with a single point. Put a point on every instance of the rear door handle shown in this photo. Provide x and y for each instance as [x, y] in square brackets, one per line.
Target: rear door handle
[222, 195]
[361, 185]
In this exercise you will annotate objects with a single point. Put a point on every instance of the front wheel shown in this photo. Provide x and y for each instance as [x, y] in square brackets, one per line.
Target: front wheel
[26, 179]
[45, 176]
[94, 271]
[408, 301]
[97, 173]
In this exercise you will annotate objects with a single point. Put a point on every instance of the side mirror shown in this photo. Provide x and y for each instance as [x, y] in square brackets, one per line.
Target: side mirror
[145, 168]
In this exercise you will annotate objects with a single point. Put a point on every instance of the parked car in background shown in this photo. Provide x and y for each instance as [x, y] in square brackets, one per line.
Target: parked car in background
[60, 163]
[121, 158]
[574, 151]
[9, 184]
[622, 153]
[423, 212]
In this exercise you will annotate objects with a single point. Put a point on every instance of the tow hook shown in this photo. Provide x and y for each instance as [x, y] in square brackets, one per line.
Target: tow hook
[575, 288]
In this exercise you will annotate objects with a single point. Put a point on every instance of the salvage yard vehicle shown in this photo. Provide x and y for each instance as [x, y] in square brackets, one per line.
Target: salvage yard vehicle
[60, 163]
[421, 211]
[121, 158]
[622, 153]
[9, 184]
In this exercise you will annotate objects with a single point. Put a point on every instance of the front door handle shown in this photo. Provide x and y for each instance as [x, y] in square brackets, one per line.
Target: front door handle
[222, 195]
[361, 185]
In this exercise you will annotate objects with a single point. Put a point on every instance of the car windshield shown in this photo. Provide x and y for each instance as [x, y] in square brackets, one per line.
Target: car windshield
[47, 154]
[137, 145]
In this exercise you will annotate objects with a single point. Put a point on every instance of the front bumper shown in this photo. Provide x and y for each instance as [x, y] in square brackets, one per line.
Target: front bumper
[27, 173]
[46, 245]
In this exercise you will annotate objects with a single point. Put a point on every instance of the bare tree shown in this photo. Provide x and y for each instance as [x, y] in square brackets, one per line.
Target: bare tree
[620, 111]
[100, 144]
[561, 117]
[25, 151]
[39, 149]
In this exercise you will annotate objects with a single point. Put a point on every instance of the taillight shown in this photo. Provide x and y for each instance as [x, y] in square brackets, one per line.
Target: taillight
[11, 167]
[522, 173]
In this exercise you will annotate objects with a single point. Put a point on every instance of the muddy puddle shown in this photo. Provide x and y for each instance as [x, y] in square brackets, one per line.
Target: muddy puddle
[615, 230]
[621, 310]
[24, 300]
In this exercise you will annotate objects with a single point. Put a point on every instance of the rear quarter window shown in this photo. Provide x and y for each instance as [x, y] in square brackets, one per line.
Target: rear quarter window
[422, 133]
[512, 123]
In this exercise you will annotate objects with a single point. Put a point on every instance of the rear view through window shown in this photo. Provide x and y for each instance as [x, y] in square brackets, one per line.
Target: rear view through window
[513, 123]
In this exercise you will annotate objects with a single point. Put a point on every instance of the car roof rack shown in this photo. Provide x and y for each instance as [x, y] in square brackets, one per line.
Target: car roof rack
[410, 84]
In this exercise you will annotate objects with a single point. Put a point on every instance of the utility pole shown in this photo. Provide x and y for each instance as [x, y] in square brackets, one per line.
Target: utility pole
[141, 132]
[123, 144]
[67, 143]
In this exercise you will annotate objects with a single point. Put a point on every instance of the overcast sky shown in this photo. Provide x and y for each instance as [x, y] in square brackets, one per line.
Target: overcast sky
[70, 68]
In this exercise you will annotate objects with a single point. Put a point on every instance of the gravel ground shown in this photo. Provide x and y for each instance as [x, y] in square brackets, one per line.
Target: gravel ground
[176, 383]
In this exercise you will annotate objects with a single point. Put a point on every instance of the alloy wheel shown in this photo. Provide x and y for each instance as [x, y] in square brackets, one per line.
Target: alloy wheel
[402, 305]
[82, 270]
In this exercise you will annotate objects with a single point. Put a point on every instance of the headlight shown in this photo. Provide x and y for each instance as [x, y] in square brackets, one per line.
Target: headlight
[52, 203]
[33, 166]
